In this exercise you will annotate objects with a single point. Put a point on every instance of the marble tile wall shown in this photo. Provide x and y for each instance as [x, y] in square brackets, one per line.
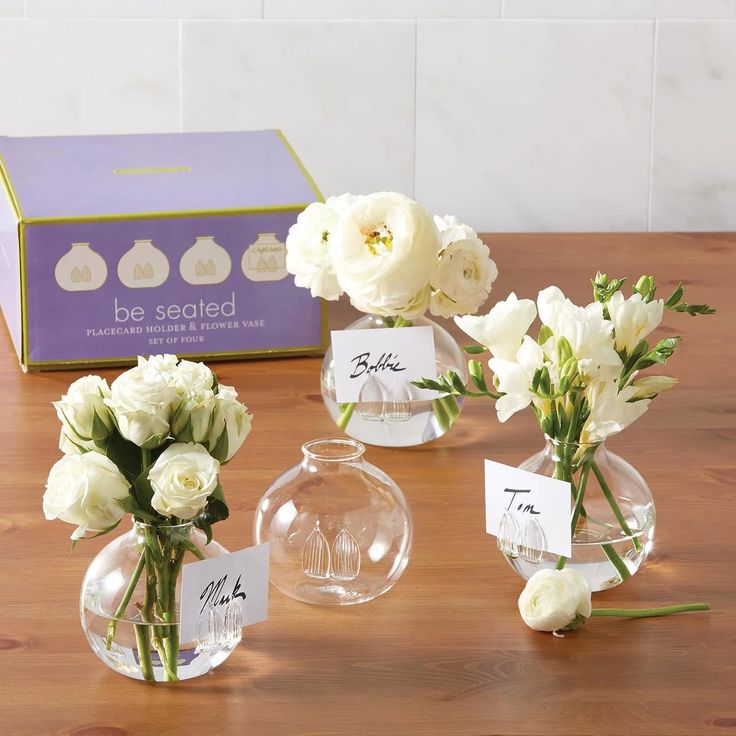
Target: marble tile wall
[517, 115]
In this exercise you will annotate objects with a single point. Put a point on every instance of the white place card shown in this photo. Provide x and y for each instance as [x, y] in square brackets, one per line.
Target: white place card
[391, 355]
[241, 577]
[529, 501]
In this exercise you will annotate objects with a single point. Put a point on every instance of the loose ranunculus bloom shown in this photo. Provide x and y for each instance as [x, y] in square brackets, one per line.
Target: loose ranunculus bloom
[84, 490]
[502, 329]
[85, 420]
[309, 247]
[231, 424]
[142, 400]
[647, 387]
[386, 248]
[633, 319]
[182, 478]
[465, 272]
[611, 410]
[555, 600]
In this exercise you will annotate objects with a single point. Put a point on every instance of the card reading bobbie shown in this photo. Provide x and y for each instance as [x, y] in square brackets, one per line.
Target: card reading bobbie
[240, 576]
[528, 498]
[389, 354]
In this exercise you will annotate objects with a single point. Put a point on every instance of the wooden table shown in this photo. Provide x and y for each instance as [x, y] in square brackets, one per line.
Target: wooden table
[445, 652]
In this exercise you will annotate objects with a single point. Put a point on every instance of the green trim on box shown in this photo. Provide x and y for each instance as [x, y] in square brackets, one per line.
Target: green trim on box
[10, 190]
[302, 168]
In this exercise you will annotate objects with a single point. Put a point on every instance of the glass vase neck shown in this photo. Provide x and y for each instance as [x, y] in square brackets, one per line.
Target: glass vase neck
[327, 454]
[564, 444]
[142, 526]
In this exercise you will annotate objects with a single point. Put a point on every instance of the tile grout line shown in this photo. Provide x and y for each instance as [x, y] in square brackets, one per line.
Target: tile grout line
[651, 126]
[181, 78]
[414, 142]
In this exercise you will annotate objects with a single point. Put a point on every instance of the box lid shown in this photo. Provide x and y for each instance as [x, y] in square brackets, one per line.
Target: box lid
[129, 175]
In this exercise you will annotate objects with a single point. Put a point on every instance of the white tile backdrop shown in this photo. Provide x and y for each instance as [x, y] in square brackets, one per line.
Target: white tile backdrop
[517, 115]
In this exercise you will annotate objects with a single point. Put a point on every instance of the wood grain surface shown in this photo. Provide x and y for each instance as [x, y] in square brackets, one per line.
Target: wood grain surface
[444, 652]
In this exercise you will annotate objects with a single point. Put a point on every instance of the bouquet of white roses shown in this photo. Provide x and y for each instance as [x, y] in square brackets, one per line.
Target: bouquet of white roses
[150, 445]
[582, 375]
[388, 254]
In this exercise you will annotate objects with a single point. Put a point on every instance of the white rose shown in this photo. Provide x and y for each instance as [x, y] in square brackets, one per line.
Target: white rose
[514, 378]
[192, 378]
[85, 420]
[193, 417]
[231, 424]
[648, 387]
[502, 329]
[141, 400]
[84, 490]
[611, 410]
[465, 272]
[554, 600]
[384, 247]
[182, 478]
[165, 364]
[633, 319]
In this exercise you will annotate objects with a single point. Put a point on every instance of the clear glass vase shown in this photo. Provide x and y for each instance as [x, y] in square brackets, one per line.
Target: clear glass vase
[612, 517]
[395, 416]
[129, 606]
[339, 528]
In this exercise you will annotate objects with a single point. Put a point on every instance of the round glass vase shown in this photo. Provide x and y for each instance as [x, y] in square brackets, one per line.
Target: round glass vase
[129, 606]
[612, 517]
[339, 528]
[397, 414]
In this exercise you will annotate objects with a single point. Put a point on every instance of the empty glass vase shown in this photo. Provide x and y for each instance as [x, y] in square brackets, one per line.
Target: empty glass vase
[397, 414]
[129, 606]
[612, 516]
[339, 528]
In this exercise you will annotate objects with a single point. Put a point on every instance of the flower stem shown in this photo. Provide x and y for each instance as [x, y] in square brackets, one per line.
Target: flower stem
[345, 415]
[112, 625]
[143, 643]
[625, 528]
[616, 561]
[648, 612]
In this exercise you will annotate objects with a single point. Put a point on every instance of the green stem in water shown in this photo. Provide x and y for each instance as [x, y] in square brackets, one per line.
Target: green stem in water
[346, 415]
[112, 625]
[143, 644]
[614, 507]
[577, 507]
[616, 561]
[648, 612]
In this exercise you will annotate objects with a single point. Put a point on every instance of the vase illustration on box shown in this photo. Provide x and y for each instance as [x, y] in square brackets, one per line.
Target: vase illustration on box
[265, 260]
[143, 266]
[80, 269]
[339, 528]
[206, 262]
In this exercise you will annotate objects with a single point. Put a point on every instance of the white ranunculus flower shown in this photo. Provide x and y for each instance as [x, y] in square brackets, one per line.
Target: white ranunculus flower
[464, 274]
[183, 478]
[84, 490]
[192, 378]
[309, 248]
[633, 319]
[502, 329]
[141, 400]
[85, 420]
[514, 378]
[231, 424]
[611, 410]
[554, 600]
[384, 247]
[648, 387]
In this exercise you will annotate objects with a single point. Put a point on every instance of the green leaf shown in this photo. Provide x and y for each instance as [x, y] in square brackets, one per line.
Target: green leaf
[215, 510]
[130, 505]
[427, 383]
[475, 349]
[675, 297]
[695, 309]
[659, 353]
[144, 492]
[126, 455]
[219, 451]
[457, 383]
[544, 334]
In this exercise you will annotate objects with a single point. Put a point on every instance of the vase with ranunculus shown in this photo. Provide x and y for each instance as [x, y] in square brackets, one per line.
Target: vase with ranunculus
[151, 446]
[395, 262]
[586, 377]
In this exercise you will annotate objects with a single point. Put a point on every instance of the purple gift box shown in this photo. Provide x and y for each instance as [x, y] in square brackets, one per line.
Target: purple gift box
[115, 246]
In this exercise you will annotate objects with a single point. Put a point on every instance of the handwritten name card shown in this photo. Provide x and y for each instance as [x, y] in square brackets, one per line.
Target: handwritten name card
[391, 355]
[530, 507]
[239, 577]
